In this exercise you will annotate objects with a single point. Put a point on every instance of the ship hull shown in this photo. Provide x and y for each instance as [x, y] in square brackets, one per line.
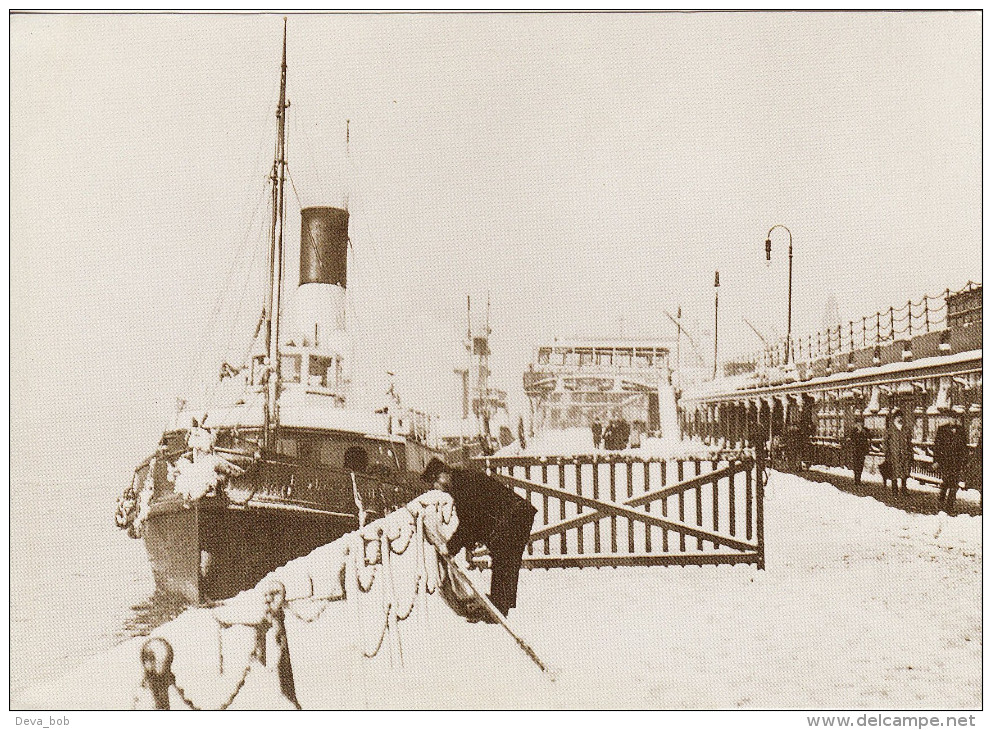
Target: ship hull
[274, 510]
[214, 549]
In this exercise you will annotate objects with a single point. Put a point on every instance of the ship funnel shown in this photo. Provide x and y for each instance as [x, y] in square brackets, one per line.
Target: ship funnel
[324, 246]
[320, 298]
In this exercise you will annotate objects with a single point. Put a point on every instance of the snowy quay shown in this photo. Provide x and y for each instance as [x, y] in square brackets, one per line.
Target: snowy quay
[860, 605]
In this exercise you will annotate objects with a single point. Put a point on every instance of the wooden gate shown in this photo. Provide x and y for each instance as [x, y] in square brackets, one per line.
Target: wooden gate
[594, 512]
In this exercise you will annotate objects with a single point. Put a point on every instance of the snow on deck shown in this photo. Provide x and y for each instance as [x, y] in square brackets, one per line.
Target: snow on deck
[861, 606]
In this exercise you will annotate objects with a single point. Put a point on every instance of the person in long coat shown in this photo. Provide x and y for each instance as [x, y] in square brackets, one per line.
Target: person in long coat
[616, 435]
[973, 468]
[597, 433]
[899, 451]
[950, 454]
[858, 446]
[490, 513]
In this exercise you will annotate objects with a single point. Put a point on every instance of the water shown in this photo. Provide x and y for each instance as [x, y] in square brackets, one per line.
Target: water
[78, 584]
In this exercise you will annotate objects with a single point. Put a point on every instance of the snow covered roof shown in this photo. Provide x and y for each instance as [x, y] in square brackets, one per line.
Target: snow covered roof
[606, 344]
[745, 385]
[319, 415]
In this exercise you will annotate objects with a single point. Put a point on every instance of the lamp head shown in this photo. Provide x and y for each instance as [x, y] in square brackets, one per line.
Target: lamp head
[768, 250]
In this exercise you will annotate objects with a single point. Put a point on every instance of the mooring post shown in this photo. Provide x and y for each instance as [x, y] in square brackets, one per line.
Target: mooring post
[156, 661]
[275, 621]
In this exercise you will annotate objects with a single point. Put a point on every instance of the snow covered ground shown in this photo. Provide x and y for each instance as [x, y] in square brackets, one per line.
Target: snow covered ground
[862, 605]
[578, 442]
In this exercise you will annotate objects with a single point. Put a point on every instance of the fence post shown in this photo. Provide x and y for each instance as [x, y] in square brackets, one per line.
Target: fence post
[760, 520]
[664, 507]
[578, 490]
[716, 506]
[732, 515]
[530, 500]
[749, 502]
[630, 493]
[563, 541]
[647, 507]
[547, 517]
[699, 502]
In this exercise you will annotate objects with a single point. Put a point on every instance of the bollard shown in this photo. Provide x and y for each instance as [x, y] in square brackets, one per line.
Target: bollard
[275, 619]
[156, 660]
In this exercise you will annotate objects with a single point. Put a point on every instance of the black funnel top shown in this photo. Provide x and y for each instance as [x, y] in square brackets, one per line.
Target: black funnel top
[324, 246]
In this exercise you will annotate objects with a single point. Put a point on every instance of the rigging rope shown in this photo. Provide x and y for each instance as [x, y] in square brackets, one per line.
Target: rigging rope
[209, 386]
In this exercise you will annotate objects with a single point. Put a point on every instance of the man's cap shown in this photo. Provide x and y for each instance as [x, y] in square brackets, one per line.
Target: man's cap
[434, 467]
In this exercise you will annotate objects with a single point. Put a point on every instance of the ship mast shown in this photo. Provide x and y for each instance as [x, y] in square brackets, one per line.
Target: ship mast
[274, 294]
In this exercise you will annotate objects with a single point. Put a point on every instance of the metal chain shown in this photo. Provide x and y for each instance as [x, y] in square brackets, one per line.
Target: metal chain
[184, 698]
[309, 620]
[934, 313]
[237, 689]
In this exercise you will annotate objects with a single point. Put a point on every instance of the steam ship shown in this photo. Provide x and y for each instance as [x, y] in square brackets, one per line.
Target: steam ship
[288, 464]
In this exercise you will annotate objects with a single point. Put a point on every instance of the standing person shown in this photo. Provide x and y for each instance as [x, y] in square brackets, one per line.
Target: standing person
[623, 436]
[899, 451]
[973, 468]
[805, 436]
[950, 454]
[858, 446]
[610, 435]
[597, 433]
[490, 513]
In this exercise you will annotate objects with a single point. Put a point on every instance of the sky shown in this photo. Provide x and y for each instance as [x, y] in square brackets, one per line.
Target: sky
[587, 172]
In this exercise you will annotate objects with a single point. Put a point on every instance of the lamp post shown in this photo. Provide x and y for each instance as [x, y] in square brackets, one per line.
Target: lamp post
[768, 258]
[716, 317]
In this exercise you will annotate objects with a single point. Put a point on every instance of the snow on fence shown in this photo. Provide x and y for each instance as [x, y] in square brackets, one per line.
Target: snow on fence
[599, 512]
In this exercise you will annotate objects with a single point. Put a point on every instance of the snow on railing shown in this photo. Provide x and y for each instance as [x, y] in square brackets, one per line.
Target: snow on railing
[929, 314]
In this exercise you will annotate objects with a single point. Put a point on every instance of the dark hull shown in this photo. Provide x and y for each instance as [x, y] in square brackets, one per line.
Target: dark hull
[214, 549]
[280, 508]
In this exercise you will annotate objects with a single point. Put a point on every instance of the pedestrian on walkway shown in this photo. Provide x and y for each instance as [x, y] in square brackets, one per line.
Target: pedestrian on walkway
[899, 451]
[950, 454]
[858, 446]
